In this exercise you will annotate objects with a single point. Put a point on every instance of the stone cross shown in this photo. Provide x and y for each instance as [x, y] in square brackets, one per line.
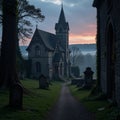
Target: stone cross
[88, 77]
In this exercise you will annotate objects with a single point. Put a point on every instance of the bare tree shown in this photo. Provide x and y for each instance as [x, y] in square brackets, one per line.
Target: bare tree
[25, 13]
[75, 56]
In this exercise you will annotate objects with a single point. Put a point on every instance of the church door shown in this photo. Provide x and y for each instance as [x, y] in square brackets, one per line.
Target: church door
[110, 62]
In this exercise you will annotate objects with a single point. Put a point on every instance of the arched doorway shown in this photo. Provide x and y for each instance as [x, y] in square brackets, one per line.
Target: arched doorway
[110, 62]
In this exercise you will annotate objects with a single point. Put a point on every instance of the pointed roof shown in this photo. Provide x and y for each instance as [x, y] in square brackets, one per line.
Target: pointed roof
[62, 16]
[48, 39]
[62, 21]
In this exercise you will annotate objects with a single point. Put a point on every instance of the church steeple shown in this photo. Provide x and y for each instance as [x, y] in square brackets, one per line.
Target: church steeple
[62, 16]
[62, 29]
[62, 25]
[62, 33]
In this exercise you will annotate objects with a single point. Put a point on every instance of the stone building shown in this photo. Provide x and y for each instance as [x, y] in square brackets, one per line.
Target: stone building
[108, 47]
[49, 53]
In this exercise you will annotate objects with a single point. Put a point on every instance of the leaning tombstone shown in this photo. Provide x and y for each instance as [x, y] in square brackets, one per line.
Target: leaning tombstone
[88, 77]
[43, 82]
[16, 96]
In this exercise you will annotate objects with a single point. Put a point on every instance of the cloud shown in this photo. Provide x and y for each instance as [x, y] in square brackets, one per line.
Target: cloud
[58, 2]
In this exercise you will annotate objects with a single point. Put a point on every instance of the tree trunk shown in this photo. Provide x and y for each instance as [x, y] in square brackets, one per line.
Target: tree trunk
[8, 75]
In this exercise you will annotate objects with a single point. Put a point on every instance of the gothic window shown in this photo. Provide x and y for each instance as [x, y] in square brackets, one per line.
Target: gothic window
[38, 67]
[37, 51]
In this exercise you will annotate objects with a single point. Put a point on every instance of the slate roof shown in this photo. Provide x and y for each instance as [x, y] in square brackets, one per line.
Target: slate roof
[50, 40]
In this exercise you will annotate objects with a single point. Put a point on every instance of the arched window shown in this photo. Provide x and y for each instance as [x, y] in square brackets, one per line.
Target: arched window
[38, 67]
[37, 51]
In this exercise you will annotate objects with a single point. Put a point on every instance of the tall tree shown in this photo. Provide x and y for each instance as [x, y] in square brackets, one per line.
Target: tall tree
[24, 25]
[25, 13]
[8, 75]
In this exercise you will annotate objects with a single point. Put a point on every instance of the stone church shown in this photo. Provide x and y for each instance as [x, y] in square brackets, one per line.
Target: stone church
[108, 47]
[49, 53]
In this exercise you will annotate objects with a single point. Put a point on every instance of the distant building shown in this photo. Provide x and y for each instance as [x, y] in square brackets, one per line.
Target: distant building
[108, 47]
[48, 53]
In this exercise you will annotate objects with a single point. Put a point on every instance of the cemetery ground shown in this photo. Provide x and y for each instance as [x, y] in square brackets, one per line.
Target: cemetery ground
[38, 103]
[101, 107]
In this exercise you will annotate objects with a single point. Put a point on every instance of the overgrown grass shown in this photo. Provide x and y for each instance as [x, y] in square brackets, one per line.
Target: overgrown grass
[35, 105]
[102, 109]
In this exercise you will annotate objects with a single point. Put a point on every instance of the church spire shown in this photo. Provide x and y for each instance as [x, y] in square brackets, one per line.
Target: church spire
[62, 15]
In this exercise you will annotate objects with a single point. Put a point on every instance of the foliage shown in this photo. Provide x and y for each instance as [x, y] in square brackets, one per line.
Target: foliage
[24, 25]
[36, 105]
[25, 12]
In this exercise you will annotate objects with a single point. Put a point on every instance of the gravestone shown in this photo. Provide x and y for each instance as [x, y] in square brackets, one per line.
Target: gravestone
[88, 77]
[43, 82]
[16, 96]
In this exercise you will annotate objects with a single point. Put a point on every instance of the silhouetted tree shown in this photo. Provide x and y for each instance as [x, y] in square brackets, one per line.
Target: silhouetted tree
[8, 75]
[24, 30]
[25, 12]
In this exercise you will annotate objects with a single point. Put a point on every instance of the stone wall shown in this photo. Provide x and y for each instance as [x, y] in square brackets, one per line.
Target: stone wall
[103, 20]
[110, 14]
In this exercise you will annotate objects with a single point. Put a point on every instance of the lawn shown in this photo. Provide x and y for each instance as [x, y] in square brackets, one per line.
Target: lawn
[101, 108]
[36, 104]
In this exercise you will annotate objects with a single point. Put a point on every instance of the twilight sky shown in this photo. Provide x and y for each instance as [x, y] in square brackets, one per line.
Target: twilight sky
[79, 13]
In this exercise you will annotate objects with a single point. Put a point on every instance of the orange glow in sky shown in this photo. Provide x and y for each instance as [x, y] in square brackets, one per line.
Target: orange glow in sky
[73, 39]
[81, 39]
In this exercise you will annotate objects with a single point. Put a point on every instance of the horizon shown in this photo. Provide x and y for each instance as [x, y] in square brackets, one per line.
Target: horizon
[72, 44]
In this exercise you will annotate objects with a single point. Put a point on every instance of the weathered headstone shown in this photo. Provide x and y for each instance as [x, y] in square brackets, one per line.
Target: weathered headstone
[43, 82]
[88, 77]
[16, 96]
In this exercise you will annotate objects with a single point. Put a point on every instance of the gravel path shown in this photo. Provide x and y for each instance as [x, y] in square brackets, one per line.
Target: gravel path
[68, 108]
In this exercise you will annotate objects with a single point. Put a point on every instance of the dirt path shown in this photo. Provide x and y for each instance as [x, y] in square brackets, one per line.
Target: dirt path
[67, 108]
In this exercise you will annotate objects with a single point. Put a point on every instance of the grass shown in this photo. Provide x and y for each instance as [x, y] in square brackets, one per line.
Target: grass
[101, 108]
[35, 106]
